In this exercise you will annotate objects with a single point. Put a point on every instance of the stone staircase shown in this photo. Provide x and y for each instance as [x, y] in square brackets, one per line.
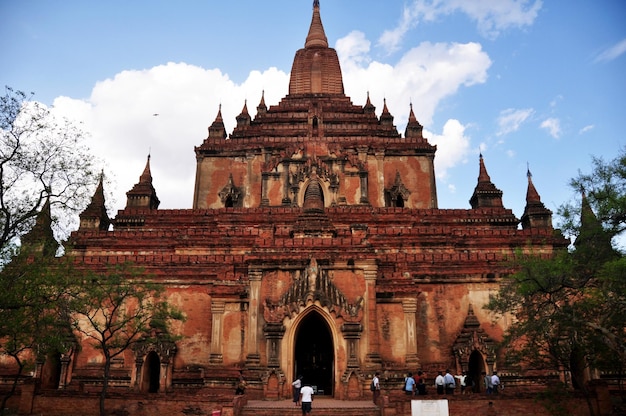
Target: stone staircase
[321, 406]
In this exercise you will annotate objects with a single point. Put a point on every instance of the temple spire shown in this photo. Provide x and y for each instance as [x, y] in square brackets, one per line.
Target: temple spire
[536, 215]
[243, 119]
[261, 108]
[95, 216]
[143, 194]
[486, 195]
[217, 129]
[386, 119]
[40, 239]
[316, 37]
[413, 127]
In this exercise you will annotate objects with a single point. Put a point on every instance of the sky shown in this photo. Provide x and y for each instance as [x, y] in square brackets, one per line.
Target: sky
[530, 84]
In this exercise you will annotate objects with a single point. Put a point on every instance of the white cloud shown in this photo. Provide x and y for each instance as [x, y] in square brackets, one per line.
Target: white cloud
[613, 52]
[511, 119]
[586, 129]
[425, 75]
[453, 146]
[119, 114]
[354, 48]
[553, 125]
[492, 17]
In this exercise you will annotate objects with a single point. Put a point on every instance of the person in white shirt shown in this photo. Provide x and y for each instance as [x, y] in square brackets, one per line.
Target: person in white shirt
[306, 397]
[375, 388]
[297, 384]
[462, 381]
[495, 382]
[449, 382]
[439, 382]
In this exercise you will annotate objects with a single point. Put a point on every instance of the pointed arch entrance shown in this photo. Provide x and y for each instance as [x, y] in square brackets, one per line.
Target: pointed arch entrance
[475, 368]
[51, 372]
[314, 356]
[151, 373]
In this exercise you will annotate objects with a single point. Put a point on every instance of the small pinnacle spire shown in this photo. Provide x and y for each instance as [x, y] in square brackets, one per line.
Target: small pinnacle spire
[483, 176]
[412, 117]
[143, 194]
[531, 193]
[146, 176]
[261, 108]
[243, 119]
[217, 129]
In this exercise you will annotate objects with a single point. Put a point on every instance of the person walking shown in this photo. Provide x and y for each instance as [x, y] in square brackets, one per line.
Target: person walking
[375, 388]
[306, 398]
[495, 382]
[487, 383]
[296, 386]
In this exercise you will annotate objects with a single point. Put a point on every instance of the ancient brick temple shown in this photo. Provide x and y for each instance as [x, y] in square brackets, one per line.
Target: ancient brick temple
[314, 247]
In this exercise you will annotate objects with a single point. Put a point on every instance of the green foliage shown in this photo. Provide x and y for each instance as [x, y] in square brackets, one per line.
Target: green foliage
[570, 309]
[34, 291]
[118, 309]
[605, 190]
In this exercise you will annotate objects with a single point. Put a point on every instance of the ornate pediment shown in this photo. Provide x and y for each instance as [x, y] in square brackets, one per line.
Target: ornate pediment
[313, 285]
[473, 337]
[398, 193]
[230, 195]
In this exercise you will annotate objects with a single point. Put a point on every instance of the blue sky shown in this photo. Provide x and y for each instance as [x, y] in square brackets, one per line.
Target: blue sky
[528, 83]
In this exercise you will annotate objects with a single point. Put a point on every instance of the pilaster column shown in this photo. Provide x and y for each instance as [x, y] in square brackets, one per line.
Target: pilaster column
[138, 372]
[273, 334]
[370, 335]
[264, 184]
[163, 376]
[364, 195]
[248, 185]
[352, 334]
[65, 364]
[217, 317]
[253, 358]
[286, 201]
[380, 175]
[409, 307]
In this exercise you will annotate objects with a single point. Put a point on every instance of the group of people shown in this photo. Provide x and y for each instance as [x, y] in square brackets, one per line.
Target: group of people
[302, 395]
[445, 383]
[414, 386]
[492, 383]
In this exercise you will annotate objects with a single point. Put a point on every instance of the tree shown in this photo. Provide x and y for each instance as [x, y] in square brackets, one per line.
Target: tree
[117, 310]
[570, 308]
[34, 290]
[42, 158]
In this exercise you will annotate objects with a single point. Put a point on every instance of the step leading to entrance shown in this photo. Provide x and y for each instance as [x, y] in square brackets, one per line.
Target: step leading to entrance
[321, 406]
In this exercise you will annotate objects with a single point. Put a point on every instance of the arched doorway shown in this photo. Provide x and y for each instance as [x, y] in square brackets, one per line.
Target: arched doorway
[314, 357]
[151, 373]
[475, 368]
[51, 371]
